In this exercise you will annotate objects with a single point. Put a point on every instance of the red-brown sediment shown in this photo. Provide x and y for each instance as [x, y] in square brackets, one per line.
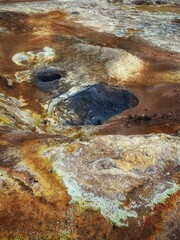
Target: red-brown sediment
[154, 73]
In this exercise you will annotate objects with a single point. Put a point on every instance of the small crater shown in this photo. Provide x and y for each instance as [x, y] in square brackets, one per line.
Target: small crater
[48, 79]
[96, 104]
[48, 76]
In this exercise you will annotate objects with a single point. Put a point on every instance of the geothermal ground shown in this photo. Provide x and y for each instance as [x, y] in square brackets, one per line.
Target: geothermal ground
[89, 120]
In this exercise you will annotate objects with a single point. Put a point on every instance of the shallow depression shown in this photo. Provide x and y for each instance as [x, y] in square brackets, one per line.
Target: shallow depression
[48, 79]
[96, 104]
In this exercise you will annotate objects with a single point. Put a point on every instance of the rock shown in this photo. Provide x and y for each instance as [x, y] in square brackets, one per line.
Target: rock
[9, 82]
[47, 54]
[14, 116]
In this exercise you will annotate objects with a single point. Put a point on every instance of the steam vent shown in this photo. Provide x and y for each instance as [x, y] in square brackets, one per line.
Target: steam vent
[89, 119]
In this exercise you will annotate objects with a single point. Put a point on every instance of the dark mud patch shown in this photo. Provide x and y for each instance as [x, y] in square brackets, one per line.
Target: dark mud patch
[96, 104]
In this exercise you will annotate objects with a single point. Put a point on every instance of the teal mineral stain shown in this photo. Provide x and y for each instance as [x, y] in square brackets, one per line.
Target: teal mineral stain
[108, 207]
[161, 197]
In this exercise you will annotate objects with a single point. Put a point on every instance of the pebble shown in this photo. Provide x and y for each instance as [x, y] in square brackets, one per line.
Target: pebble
[9, 82]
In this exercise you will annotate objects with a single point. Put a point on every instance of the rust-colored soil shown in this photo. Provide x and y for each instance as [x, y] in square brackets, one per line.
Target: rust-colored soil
[157, 112]
[33, 198]
[158, 97]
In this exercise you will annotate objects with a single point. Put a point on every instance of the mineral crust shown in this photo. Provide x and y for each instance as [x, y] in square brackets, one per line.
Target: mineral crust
[89, 120]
